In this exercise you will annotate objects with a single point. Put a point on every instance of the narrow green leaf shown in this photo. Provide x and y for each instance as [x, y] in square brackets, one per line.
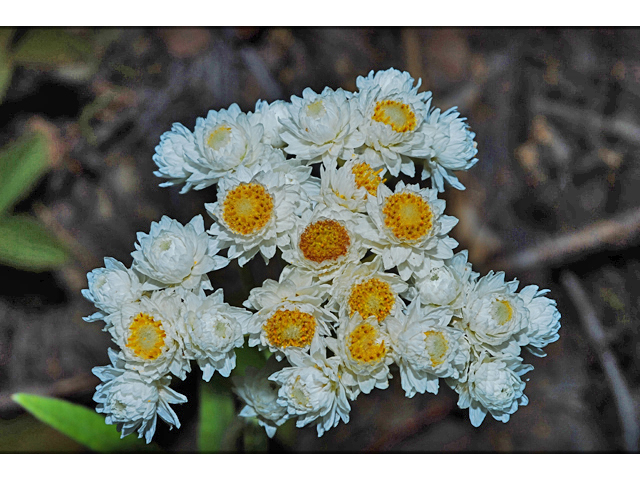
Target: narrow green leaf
[27, 245]
[52, 47]
[6, 35]
[246, 357]
[6, 63]
[21, 165]
[80, 423]
[217, 416]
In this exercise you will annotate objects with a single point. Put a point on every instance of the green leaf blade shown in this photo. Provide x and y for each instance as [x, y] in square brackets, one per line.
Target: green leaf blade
[79, 423]
[22, 164]
[28, 245]
[217, 416]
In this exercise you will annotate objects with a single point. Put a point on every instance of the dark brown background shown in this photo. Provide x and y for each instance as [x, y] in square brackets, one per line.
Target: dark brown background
[556, 113]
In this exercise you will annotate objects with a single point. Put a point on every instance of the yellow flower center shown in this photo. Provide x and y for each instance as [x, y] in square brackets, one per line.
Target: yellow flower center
[247, 208]
[316, 109]
[407, 215]
[436, 345]
[364, 346]
[324, 240]
[220, 137]
[372, 297]
[398, 116]
[146, 337]
[290, 328]
[366, 177]
[502, 311]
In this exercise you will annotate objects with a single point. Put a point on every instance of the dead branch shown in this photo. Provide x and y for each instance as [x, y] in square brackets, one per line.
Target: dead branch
[618, 232]
[621, 393]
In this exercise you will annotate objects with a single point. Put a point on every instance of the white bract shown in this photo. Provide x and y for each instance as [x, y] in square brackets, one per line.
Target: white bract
[111, 287]
[312, 392]
[131, 402]
[213, 329]
[177, 149]
[175, 255]
[544, 319]
[269, 115]
[322, 127]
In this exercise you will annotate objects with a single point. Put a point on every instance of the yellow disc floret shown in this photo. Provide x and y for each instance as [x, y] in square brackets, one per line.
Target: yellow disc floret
[219, 137]
[502, 311]
[290, 328]
[364, 344]
[407, 215]
[372, 297]
[437, 346]
[146, 337]
[324, 240]
[247, 208]
[397, 115]
[316, 109]
[366, 177]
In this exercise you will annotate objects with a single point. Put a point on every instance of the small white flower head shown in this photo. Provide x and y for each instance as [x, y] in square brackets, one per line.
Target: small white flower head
[445, 284]
[366, 289]
[452, 148]
[111, 287]
[426, 348]
[493, 386]
[348, 186]
[148, 334]
[268, 115]
[393, 112]
[495, 317]
[324, 241]
[261, 396]
[364, 349]
[290, 326]
[544, 319]
[410, 226]
[225, 140]
[254, 213]
[312, 392]
[132, 402]
[212, 330]
[175, 255]
[322, 126]
[173, 156]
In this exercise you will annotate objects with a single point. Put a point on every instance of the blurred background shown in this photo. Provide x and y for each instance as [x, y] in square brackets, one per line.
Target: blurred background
[553, 201]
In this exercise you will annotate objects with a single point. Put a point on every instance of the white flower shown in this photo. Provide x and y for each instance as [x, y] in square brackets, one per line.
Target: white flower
[426, 348]
[260, 395]
[325, 240]
[363, 347]
[495, 317]
[148, 334]
[173, 155]
[312, 392]
[544, 319]
[348, 186]
[321, 126]
[452, 148]
[393, 112]
[268, 115]
[111, 287]
[410, 226]
[445, 284]
[173, 254]
[133, 403]
[493, 386]
[213, 329]
[225, 140]
[254, 213]
[366, 289]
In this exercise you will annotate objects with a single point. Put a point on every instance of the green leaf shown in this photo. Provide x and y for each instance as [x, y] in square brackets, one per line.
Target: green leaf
[6, 63]
[246, 357]
[27, 245]
[217, 417]
[21, 165]
[80, 423]
[52, 47]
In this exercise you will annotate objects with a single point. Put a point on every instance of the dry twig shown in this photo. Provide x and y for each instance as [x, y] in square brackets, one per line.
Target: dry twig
[621, 393]
[618, 231]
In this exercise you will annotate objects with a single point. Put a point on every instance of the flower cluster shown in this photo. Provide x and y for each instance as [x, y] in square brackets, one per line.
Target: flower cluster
[371, 284]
